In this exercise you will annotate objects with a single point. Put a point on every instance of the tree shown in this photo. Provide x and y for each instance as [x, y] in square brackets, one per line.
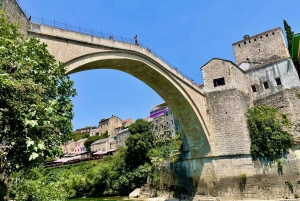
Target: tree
[268, 139]
[289, 36]
[139, 142]
[35, 101]
[90, 140]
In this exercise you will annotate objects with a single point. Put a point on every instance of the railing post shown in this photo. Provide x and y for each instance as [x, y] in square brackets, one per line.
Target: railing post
[91, 32]
[42, 20]
[66, 26]
[102, 34]
[54, 23]
[79, 30]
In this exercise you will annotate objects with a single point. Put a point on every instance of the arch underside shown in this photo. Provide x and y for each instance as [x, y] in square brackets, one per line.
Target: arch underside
[162, 82]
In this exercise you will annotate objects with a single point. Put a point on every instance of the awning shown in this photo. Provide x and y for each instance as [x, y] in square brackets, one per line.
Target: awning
[63, 160]
[100, 153]
[111, 150]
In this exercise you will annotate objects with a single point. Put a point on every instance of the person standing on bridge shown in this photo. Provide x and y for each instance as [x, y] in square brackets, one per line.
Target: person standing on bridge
[136, 40]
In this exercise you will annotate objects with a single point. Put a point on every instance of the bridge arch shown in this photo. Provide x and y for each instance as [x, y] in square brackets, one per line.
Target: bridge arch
[162, 81]
[82, 52]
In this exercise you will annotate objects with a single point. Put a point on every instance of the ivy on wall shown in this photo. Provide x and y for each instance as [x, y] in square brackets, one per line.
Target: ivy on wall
[268, 138]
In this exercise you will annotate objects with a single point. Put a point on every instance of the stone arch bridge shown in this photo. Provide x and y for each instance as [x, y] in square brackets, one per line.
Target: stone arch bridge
[82, 52]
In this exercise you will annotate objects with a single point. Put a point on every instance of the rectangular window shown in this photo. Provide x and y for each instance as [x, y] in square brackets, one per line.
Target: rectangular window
[253, 87]
[219, 82]
[266, 85]
[278, 81]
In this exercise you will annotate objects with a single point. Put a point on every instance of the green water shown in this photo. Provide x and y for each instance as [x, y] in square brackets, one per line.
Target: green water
[117, 198]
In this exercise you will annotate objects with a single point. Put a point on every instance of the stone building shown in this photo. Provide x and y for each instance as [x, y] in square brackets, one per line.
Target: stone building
[69, 147]
[94, 132]
[109, 124]
[164, 123]
[121, 133]
[86, 129]
[121, 136]
[127, 122]
[79, 146]
[263, 66]
[100, 145]
[261, 47]
[263, 71]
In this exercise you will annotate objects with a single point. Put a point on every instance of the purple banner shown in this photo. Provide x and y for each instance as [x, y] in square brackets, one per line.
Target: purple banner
[159, 112]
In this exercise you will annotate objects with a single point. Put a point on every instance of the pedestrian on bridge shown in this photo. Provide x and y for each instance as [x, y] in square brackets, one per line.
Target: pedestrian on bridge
[136, 40]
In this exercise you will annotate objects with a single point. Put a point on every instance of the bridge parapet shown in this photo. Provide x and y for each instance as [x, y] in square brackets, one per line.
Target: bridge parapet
[85, 52]
[78, 34]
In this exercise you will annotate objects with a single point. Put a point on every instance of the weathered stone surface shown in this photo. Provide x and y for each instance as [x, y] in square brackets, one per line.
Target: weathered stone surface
[288, 103]
[82, 52]
[135, 193]
[15, 14]
[227, 113]
[261, 47]
[234, 77]
[213, 119]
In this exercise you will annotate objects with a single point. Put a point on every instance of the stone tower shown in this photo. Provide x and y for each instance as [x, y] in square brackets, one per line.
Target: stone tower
[260, 48]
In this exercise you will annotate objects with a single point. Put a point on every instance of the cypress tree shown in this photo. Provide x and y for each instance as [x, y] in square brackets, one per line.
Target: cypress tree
[289, 36]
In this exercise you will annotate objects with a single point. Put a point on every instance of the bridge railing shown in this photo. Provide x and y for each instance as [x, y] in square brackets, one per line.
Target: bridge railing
[91, 32]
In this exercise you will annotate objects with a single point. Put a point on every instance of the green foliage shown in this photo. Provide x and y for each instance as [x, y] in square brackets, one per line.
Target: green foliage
[289, 36]
[242, 182]
[78, 136]
[139, 143]
[110, 176]
[104, 135]
[268, 139]
[90, 140]
[35, 100]
[291, 186]
[166, 147]
[296, 195]
[280, 167]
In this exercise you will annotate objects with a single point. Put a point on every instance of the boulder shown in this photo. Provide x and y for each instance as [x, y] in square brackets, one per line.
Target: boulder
[135, 193]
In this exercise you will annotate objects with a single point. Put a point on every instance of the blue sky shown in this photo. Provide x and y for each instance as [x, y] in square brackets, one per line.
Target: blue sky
[185, 33]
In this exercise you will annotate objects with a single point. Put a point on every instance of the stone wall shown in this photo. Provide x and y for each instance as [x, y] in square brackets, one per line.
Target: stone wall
[109, 125]
[221, 177]
[166, 125]
[218, 68]
[261, 47]
[227, 109]
[15, 14]
[287, 102]
[283, 69]
[100, 145]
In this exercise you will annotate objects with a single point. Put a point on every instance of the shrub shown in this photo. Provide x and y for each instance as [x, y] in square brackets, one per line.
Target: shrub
[268, 139]
[242, 182]
[279, 166]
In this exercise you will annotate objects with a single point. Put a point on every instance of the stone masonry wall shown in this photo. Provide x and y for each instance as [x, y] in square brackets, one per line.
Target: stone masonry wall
[218, 68]
[288, 103]
[261, 47]
[227, 109]
[15, 14]
[221, 177]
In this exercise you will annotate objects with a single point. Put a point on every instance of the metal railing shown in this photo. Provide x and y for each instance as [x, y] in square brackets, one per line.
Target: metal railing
[91, 32]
